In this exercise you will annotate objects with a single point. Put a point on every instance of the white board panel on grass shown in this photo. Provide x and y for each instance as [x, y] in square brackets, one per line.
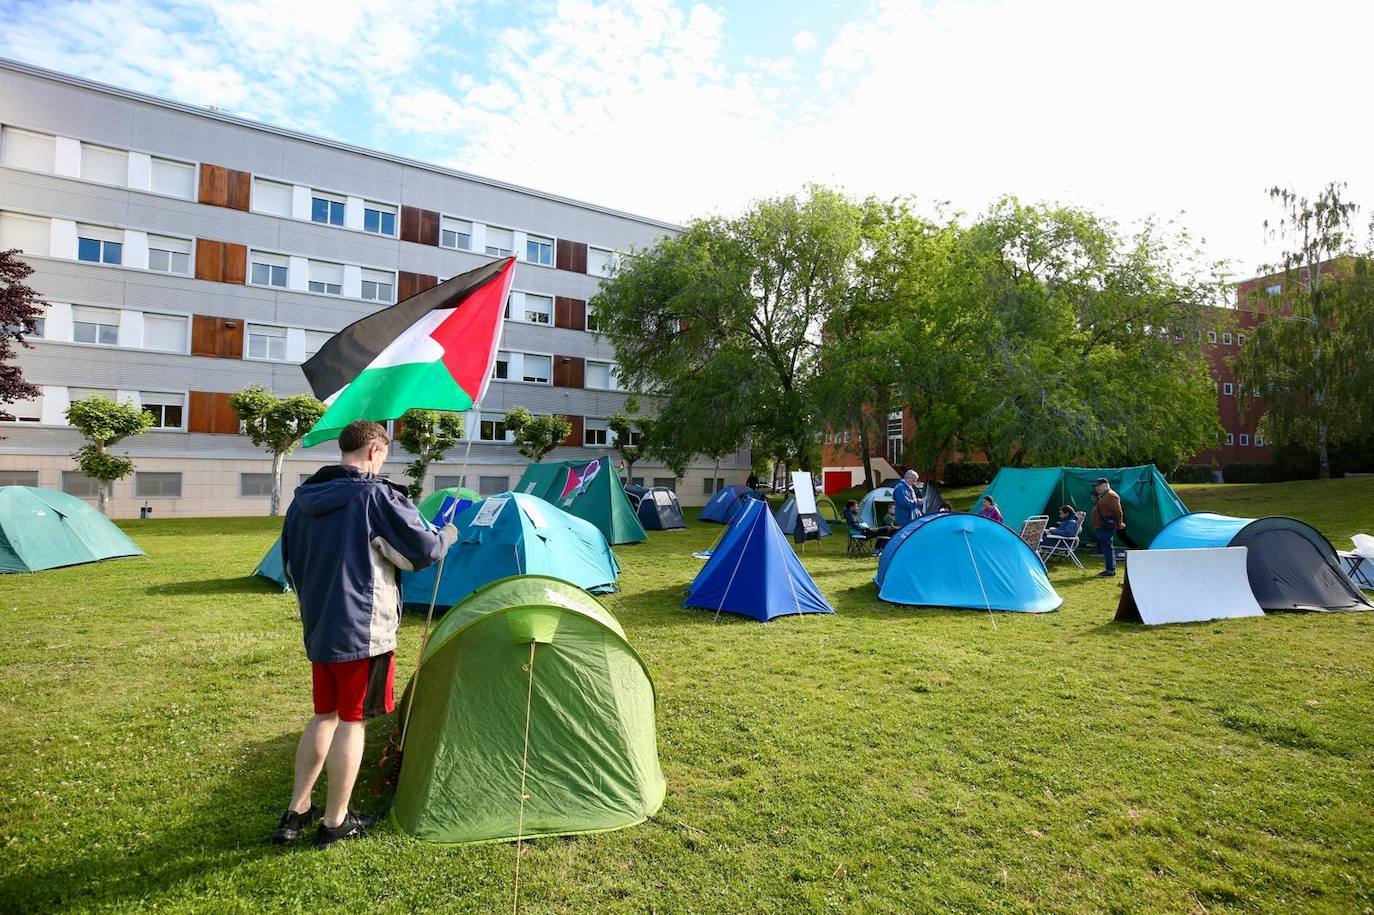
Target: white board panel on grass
[804, 491]
[1186, 586]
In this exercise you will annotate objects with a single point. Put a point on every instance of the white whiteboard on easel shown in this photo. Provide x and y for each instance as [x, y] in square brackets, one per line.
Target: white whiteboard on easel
[804, 491]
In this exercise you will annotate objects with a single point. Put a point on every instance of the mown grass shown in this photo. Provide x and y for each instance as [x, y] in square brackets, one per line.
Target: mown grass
[884, 759]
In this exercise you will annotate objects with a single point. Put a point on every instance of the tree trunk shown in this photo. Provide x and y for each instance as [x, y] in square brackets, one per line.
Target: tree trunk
[867, 456]
[1323, 459]
[715, 480]
[102, 499]
[277, 458]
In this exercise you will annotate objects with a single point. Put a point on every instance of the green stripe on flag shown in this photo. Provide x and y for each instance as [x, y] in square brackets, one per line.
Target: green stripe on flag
[386, 393]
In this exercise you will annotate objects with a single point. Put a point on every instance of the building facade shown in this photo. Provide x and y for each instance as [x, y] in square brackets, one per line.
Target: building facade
[185, 254]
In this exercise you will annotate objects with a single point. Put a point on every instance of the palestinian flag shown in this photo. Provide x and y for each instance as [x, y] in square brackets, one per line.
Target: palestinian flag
[433, 351]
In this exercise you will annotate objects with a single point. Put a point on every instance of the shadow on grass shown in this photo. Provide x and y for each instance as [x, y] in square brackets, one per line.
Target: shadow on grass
[243, 584]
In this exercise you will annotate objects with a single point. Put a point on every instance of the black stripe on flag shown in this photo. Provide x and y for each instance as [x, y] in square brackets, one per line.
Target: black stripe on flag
[352, 349]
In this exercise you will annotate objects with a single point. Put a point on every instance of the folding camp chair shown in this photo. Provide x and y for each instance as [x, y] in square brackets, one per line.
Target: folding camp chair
[1031, 530]
[859, 545]
[1052, 546]
[1359, 562]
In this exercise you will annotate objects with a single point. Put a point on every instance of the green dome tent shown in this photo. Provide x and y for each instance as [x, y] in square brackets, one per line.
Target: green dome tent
[429, 506]
[44, 529]
[592, 761]
[589, 490]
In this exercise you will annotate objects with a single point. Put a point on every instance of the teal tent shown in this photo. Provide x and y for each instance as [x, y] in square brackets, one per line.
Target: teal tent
[44, 529]
[590, 490]
[271, 567]
[1146, 497]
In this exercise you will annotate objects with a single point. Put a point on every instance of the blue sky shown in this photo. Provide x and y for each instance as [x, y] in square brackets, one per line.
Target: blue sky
[672, 108]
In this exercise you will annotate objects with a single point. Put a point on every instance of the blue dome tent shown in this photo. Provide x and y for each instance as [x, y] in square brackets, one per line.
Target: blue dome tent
[873, 506]
[754, 572]
[787, 519]
[726, 503]
[1291, 566]
[961, 560]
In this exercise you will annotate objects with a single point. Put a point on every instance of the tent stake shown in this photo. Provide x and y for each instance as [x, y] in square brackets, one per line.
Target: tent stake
[524, 768]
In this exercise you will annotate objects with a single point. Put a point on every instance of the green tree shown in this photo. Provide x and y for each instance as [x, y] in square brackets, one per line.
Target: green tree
[536, 436]
[104, 423]
[20, 310]
[427, 434]
[277, 424]
[1306, 368]
[722, 323]
[629, 442]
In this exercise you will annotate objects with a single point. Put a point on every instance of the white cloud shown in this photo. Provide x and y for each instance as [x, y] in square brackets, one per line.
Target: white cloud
[804, 41]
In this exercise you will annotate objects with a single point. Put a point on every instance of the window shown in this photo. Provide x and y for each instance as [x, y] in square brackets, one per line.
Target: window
[500, 242]
[266, 342]
[99, 245]
[600, 262]
[1211, 336]
[1240, 339]
[635, 437]
[1230, 439]
[27, 233]
[271, 197]
[500, 369]
[711, 486]
[175, 178]
[22, 149]
[1226, 339]
[455, 233]
[598, 375]
[326, 278]
[1244, 439]
[538, 369]
[95, 325]
[165, 332]
[379, 286]
[109, 166]
[23, 411]
[326, 209]
[75, 394]
[1226, 389]
[492, 428]
[592, 324]
[157, 485]
[379, 219]
[490, 486]
[255, 485]
[18, 477]
[76, 483]
[1259, 441]
[666, 482]
[447, 482]
[169, 255]
[538, 309]
[1274, 290]
[539, 250]
[314, 339]
[269, 269]
[596, 433]
[165, 409]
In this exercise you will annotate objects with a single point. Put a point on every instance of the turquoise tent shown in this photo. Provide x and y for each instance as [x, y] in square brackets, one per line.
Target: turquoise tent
[1146, 497]
[271, 567]
[873, 506]
[516, 534]
[962, 560]
[45, 529]
[754, 572]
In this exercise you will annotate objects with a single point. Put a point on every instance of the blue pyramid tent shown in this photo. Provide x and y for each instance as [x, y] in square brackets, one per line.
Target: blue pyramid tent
[726, 503]
[754, 572]
[960, 560]
[516, 534]
[271, 567]
[787, 519]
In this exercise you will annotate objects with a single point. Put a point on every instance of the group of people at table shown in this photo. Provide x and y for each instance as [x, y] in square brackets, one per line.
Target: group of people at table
[907, 505]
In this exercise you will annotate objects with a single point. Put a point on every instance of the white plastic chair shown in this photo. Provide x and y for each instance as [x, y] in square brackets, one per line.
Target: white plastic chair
[1052, 546]
[1359, 562]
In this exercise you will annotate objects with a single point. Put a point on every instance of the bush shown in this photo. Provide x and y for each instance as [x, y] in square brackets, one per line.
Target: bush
[1193, 473]
[967, 473]
[1249, 473]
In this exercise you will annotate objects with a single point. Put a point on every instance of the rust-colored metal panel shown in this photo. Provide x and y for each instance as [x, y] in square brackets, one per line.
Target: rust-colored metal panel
[210, 412]
[569, 372]
[570, 313]
[409, 284]
[235, 263]
[419, 226]
[214, 184]
[239, 188]
[210, 260]
[571, 255]
[574, 438]
[214, 336]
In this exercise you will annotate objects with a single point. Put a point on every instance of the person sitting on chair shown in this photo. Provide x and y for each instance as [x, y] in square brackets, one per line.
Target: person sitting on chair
[990, 510]
[1067, 528]
[856, 523]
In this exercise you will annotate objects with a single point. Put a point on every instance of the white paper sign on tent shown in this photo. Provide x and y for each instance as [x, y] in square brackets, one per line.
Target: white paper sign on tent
[1186, 586]
[486, 515]
[804, 491]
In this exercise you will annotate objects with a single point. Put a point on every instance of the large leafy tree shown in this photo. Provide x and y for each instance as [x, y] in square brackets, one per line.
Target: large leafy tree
[20, 310]
[105, 423]
[722, 323]
[536, 436]
[277, 424]
[427, 434]
[1309, 361]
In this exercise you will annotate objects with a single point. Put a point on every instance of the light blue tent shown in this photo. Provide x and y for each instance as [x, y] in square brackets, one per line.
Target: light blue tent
[787, 519]
[271, 568]
[516, 534]
[726, 503]
[754, 572]
[873, 506]
[961, 560]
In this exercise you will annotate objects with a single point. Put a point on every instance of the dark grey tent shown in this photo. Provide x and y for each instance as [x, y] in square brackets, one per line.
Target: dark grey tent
[934, 503]
[1290, 564]
[658, 508]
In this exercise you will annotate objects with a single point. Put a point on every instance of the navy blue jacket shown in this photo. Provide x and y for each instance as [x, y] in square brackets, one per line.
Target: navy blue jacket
[906, 504]
[346, 539]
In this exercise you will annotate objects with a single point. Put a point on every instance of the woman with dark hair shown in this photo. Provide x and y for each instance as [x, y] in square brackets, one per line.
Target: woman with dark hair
[990, 510]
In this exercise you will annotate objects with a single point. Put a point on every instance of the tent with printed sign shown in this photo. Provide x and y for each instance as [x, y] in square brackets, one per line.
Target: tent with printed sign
[515, 534]
[1146, 497]
[45, 529]
[528, 675]
[590, 490]
[722, 507]
[430, 505]
[754, 572]
[791, 525]
[657, 507]
[1290, 564]
[962, 560]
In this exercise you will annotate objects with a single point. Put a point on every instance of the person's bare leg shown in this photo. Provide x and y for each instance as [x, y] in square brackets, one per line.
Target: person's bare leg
[345, 756]
[310, 756]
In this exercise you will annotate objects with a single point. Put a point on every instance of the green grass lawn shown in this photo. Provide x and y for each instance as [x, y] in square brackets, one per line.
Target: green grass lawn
[886, 759]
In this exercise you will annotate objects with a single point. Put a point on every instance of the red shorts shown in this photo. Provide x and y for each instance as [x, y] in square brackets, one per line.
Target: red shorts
[355, 689]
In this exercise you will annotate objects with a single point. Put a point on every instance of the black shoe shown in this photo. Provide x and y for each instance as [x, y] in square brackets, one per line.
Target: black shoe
[353, 826]
[1106, 574]
[289, 829]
